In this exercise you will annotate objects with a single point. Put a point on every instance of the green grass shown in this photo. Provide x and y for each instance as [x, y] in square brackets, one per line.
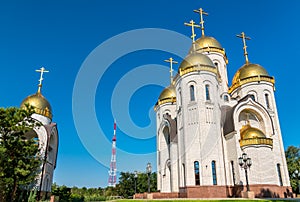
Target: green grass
[225, 200]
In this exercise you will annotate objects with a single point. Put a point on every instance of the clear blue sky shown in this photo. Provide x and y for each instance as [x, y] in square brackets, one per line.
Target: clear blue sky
[66, 37]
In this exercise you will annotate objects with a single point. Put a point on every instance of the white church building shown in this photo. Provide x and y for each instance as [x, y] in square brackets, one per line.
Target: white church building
[47, 136]
[204, 126]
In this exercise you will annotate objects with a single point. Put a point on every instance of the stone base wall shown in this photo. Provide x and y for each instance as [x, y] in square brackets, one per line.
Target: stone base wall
[260, 191]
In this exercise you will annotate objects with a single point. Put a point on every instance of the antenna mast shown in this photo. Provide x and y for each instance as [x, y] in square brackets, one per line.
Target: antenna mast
[113, 169]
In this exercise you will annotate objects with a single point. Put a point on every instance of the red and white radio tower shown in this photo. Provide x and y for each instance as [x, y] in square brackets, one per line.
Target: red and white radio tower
[113, 169]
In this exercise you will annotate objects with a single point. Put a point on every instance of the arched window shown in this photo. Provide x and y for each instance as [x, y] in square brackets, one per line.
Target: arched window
[192, 92]
[197, 173]
[207, 96]
[267, 100]
[279, 174]
[232, 171]
[214, 172]
[252, 97]
[226, 99]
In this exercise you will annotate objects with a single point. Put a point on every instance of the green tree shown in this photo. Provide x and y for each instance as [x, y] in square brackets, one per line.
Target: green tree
[19, 160]
[126, 185]
[63, 192]
[292, 155]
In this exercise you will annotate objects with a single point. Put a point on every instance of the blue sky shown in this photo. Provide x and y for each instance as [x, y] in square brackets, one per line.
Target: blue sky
[67, 36]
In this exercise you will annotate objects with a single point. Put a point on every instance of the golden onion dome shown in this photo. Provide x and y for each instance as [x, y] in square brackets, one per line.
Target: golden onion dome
[168, 95]
[207, 42]
[195, 60]
[40, 104]
[251, 136]
[248, 73]
[248, 132]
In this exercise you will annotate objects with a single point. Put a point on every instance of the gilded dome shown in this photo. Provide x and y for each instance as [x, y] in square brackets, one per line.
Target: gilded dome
[207, 42]
[167, 95]
[195, 59]
[254, 137]
[40, 104]
[248, 132]
[248, 73]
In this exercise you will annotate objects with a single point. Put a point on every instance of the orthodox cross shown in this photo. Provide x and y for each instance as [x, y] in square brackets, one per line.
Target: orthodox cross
[193, 25]
[42, 70]
[171, 61]
[201, 13]
[244, 37]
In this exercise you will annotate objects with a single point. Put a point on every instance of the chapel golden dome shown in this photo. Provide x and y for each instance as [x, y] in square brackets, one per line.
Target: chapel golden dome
[248, 132]
[196, 61]
[168, 95]
[40, 104]
[248, 73]
[254, 136]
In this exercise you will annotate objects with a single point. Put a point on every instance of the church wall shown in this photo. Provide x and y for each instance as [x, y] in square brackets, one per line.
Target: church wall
[278, 149]
[219, 59]
[201, 129]
[163, 150]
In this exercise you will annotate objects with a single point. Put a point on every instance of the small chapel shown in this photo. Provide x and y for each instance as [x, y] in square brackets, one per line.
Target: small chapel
[216, 140]
[46, 135]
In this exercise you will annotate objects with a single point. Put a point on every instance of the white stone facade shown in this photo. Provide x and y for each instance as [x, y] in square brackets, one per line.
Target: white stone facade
[207, 128]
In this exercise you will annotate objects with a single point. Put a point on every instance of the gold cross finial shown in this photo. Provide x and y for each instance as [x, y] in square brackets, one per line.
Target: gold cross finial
[193, 25]
[171, 61]
[247, 118]
[201, 13]
[42, 70]
[244, 37]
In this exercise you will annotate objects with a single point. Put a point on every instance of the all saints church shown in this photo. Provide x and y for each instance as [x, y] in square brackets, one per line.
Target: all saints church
[204, 126]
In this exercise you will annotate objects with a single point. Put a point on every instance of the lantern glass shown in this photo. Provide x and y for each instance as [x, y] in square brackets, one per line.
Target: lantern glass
[149, 168]
[241, 161]
[249, 162]
[244, 155]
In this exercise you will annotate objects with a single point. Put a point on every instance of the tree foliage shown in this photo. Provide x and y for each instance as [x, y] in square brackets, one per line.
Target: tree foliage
[19, 161]
[292, 155]
[126, 185]
[125, 188]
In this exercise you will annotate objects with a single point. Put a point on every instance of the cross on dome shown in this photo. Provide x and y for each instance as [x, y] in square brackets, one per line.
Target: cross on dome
[192, 24]
[42, 70]
[244, 37]
[201, 13]
[171, 61]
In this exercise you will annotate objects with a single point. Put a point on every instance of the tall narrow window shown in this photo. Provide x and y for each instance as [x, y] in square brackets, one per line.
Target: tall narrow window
[207, 96]
[267, 100]
[183, 168]
[192, 92]
[233, 173]
[214, 172]
[252, 97]
[279, 174]
[197, 173]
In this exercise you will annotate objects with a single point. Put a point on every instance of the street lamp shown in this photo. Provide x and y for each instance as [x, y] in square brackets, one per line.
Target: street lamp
[296, 175]
[148, 170]
[135, 178]
[245, 162]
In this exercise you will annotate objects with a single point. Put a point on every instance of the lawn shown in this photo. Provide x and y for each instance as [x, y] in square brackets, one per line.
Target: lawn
[209, 200]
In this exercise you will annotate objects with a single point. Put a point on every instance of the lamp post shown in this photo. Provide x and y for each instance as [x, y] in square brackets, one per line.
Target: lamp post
[148, 170]
[135, 178]
[245, 162]
[296, 175]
